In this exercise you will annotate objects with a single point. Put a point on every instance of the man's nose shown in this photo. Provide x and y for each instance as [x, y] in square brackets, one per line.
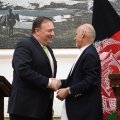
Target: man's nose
[52, 33]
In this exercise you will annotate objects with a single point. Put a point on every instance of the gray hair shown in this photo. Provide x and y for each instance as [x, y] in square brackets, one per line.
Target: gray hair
[91, 31]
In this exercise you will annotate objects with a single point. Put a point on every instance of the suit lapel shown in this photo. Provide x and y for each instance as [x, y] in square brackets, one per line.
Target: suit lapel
[39, 47]
[54, 60]
[42, 52]
[79, 59]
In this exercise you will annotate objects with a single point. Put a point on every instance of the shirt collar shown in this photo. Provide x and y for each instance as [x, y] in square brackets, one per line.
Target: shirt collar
[83, 48]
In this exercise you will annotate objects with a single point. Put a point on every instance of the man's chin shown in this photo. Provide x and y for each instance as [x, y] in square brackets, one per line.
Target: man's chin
[50, 42]
[77, 45]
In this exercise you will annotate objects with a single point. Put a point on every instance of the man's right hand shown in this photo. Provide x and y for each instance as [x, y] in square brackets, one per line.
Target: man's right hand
[55, 84]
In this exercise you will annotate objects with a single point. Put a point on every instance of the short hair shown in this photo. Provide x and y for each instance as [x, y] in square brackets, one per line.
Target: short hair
[38, 21]
[90, 30]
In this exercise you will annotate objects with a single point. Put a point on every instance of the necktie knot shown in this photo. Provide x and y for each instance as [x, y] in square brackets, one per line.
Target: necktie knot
[46, 50]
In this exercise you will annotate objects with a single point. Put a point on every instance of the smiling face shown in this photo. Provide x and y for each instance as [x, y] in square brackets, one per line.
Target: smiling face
[45, 33]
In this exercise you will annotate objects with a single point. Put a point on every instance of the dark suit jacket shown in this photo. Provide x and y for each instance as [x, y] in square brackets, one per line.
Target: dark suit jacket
[85, 102]
[30, 96]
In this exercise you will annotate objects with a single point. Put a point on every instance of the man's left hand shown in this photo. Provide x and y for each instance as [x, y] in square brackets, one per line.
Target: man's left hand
[62, 93]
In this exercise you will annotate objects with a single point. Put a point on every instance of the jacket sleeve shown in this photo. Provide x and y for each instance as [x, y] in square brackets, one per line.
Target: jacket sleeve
[63, 83]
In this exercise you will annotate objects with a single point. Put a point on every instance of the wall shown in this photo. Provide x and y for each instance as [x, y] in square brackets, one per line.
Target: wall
[65, 58]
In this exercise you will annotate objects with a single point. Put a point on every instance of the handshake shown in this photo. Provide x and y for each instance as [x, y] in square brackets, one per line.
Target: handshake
[54, 84]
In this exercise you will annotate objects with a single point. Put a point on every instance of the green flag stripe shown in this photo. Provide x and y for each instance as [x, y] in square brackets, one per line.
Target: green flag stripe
[112, 116]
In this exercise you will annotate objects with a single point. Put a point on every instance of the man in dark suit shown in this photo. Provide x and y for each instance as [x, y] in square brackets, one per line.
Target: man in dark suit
[34, 67]
[82, 89]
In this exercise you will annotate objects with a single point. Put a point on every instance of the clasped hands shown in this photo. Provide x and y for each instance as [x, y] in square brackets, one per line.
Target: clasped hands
[54, 84]
[61, 93]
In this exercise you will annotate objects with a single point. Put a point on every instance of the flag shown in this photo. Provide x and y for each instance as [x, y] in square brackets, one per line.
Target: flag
[106, 22]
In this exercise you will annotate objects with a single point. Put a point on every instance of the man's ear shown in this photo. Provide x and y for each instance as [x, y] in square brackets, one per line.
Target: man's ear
[83, 34]
[36, 29]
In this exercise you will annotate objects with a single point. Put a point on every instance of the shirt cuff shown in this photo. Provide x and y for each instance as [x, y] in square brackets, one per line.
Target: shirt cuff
[49, 82]
[69, 90]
